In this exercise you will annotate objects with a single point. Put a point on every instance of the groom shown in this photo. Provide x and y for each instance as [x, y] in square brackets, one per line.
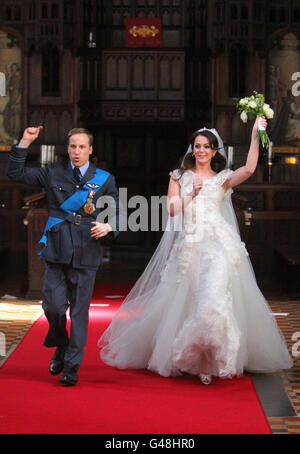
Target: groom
[72, 239]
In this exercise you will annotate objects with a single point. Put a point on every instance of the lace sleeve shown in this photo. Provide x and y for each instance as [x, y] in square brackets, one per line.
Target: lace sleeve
[185, 180]
[223, 176]
[175, 174]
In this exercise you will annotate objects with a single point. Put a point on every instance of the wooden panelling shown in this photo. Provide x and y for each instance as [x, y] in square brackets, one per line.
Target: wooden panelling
[132, 86]
[152, 75]
[273, 225]
[13, 233]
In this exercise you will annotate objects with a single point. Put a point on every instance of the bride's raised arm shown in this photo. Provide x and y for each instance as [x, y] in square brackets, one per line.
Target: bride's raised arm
[243, 173]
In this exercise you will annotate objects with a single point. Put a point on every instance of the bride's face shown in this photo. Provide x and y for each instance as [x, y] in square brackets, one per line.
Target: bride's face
[203, 151]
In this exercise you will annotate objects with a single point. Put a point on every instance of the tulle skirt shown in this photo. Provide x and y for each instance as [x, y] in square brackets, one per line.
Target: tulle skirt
[206, 315]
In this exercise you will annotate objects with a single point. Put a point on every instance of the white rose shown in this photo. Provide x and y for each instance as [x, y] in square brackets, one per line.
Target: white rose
[252, 104]
[244, 117]
[266, 108]
[244, 101]
[269, 113]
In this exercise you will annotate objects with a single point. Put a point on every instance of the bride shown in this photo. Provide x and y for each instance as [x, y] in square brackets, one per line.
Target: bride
[197, 308]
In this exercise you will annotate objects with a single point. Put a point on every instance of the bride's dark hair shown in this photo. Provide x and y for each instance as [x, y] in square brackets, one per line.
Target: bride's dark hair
[218, 162]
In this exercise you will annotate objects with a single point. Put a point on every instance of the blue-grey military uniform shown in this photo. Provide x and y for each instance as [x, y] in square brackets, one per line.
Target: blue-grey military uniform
[72, 256]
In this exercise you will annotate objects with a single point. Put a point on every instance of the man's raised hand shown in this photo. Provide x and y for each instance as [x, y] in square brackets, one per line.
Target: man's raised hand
[29, 135]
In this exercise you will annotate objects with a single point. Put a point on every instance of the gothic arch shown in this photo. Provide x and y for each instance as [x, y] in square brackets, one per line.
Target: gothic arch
[50, 61]
[237, 66]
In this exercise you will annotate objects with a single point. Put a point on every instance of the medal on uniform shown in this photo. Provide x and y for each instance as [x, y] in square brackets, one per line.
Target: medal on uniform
[89, 207]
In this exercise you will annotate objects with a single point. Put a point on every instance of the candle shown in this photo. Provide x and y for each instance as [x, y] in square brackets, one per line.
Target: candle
[270, 153]
[43, 155]
[53, 154]
[91, 40]
[230, 157]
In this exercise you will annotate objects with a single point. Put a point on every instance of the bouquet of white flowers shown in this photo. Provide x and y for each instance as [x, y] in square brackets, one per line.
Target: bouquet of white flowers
[252, 107]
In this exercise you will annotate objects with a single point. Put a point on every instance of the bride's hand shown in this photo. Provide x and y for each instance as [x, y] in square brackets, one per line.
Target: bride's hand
[259, 121]
[197, 185]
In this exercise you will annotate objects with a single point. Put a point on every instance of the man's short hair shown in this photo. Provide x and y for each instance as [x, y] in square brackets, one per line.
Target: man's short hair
[81, 131]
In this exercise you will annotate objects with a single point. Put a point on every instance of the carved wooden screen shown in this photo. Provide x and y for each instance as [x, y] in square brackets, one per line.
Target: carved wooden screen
[149, 75]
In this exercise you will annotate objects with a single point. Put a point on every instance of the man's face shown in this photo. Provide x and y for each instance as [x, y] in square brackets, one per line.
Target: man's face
[79, 149]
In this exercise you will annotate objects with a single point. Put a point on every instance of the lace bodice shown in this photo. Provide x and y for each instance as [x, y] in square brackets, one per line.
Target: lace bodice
[204, 226]
[206, 207]
[210, 185]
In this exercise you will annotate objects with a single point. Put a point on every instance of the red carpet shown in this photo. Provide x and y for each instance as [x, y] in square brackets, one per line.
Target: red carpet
[109, 401]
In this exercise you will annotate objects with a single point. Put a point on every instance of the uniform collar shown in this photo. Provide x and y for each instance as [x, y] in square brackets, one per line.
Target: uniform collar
[82, 169]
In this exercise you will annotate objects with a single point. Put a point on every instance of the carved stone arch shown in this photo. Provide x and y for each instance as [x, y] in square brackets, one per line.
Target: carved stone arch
[296, 14]
[234, 13]
[17, 12]
[176, 18]
[44, 11]
[53, 41]
[54, 10]
[282, 14]
[8, 12]
[244, 12]
[237, 66]
[50, 65]
[273, 15]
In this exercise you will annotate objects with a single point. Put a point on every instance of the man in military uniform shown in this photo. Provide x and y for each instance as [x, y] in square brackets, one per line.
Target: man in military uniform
[71, 238]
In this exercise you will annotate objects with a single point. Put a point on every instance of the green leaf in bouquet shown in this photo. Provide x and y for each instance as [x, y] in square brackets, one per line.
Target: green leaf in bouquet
[251, 115]
[260, 97]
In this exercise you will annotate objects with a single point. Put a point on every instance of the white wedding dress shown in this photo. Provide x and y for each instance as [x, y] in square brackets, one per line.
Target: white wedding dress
[198, 309]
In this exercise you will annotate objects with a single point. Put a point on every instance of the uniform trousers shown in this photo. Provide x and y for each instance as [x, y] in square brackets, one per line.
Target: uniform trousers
[67, 287]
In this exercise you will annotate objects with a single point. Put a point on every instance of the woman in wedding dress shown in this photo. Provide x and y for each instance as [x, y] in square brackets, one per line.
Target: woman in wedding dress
[197, 308]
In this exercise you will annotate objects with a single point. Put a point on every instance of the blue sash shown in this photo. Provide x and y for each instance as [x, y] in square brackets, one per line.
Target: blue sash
[76, 201]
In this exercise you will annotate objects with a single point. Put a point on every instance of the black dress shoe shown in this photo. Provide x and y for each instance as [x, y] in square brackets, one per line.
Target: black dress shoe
[68, 378]
[57, 361]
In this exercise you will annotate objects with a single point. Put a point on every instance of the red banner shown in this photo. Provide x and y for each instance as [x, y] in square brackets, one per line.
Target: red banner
[143, 32]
